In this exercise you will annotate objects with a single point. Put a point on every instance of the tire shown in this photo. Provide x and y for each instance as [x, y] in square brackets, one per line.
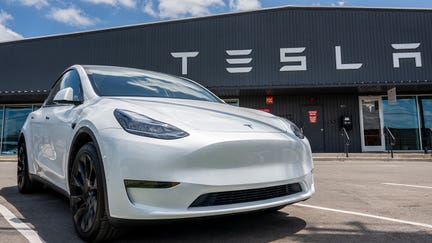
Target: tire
[25, 185]
[87, 199]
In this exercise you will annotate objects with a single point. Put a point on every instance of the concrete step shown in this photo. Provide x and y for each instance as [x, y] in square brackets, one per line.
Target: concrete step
[373, 156]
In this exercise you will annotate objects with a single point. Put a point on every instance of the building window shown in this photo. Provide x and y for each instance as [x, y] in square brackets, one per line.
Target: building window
[12, 119]
[425, 105]
[402, 120]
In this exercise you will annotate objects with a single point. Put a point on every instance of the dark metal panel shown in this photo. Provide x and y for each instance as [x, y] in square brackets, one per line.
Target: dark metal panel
[365, 36]
[334, 106]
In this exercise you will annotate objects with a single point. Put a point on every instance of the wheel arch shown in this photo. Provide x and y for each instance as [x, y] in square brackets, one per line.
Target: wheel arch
[82, 136]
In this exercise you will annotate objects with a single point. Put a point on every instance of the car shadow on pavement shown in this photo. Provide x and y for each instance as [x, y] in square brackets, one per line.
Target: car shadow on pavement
[48, 213]
[250, 227]
[360, 232]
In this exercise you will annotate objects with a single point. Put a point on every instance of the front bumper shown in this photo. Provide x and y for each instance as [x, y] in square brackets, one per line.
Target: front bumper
[202, 163]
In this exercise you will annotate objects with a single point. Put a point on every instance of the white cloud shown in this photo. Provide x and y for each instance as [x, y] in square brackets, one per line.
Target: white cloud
[7, 34]
[148, 9]
[34, 3]
[121, 3]
[169, 9]
[244, 5]
[341, 3]
[71, 16]
[4, 17]
[127, 3]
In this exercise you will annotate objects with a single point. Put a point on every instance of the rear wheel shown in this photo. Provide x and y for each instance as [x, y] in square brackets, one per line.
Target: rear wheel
[87, 197]
[25, 185]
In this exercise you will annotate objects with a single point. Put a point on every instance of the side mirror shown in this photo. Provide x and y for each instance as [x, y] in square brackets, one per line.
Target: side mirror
[65, 96]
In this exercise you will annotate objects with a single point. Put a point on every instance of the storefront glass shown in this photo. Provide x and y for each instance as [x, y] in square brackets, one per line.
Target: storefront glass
[1, 122]
[371, 122]
[402, 120]
[425, 104]
[14, 118]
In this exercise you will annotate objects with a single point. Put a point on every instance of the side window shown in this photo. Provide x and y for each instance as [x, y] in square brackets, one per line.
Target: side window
[69, 79]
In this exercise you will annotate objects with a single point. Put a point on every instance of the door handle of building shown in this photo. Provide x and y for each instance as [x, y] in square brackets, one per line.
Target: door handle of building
[47, 117]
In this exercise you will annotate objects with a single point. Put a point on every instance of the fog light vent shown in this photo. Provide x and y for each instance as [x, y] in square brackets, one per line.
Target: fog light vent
[149, 184]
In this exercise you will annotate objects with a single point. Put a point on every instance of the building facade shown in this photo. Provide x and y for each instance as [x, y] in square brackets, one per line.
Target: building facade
[314, 66]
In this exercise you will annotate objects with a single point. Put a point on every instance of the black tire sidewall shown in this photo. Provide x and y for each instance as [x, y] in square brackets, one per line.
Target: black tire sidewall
[91, 150]
[26, 183]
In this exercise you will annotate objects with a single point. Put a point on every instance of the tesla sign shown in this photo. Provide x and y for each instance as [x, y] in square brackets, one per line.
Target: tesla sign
[293, 59]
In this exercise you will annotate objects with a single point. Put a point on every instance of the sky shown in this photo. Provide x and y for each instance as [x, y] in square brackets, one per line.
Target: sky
[32, 18]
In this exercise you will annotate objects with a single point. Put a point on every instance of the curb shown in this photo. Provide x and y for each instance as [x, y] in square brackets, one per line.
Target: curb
[8, 158]
[374, 159]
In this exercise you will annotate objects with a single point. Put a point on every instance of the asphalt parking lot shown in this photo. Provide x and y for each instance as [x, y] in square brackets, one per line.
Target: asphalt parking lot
[372, 201]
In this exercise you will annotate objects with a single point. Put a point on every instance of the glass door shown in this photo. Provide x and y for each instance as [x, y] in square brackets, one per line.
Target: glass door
[371, 124]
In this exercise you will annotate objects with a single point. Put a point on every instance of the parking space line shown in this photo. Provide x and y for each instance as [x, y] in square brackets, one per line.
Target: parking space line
[20, 226]
[396, 184]
[366, 215]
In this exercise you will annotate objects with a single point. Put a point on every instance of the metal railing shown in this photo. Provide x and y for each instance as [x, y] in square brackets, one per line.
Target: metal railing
[390, 140]
[347, 141]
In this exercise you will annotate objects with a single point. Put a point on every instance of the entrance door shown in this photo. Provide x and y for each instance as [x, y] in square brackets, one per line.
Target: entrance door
[371, 124]
[313, 127]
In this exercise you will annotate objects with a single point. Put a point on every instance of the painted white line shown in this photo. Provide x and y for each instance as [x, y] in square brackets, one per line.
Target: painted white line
[366, 215]
[23, 228]
[396, 184]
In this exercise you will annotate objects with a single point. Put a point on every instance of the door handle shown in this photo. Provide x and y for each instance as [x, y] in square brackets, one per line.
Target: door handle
[47, 117]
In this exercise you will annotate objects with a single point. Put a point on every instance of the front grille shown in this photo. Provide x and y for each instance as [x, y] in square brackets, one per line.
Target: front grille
[242, 196]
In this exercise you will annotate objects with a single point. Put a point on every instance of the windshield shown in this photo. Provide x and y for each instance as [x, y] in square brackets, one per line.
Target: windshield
[117, 81]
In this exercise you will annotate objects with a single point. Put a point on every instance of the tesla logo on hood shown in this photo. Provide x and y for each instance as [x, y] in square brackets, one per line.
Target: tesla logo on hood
[248, 125]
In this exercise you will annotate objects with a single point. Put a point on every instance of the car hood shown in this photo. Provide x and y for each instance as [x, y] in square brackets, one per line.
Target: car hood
[201, 115]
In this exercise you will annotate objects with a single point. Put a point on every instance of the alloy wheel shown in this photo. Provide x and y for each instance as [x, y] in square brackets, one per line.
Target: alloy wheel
[84, 192]
[21, 166]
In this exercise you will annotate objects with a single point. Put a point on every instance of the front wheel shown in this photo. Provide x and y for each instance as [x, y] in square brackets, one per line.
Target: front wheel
[25, 185]
[87, 197]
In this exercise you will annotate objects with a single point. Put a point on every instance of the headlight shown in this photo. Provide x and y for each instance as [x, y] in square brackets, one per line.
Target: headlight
[145, 126]
[296, 130]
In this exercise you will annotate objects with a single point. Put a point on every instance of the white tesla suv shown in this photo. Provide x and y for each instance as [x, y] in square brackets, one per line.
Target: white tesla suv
[128, 144]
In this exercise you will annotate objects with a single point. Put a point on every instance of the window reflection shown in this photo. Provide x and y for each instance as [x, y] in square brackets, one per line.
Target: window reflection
[14, 118]
[402, 120]
[116, 81]
[371, 123]
[1, 123]
[425, 104]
